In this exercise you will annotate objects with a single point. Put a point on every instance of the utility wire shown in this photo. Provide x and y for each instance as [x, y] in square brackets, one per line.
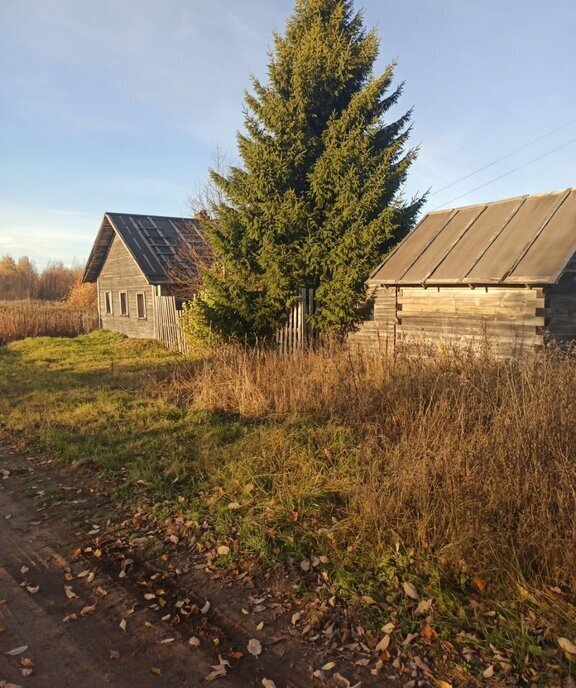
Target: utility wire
[530, 162]
[508, 155]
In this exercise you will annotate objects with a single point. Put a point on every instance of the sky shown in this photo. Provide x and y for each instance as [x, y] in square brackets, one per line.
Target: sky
[121, 105]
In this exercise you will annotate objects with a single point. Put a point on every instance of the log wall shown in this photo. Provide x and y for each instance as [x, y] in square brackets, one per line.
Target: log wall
[504, 320]
[378, 333]
[121, 273]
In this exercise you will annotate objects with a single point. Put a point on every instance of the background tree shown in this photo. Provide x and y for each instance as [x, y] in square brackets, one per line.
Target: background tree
[317, 202]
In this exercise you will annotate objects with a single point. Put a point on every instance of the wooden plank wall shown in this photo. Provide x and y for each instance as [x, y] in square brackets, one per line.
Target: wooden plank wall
[121, 273]
[505, 320]
[380, 333]
[561, 306]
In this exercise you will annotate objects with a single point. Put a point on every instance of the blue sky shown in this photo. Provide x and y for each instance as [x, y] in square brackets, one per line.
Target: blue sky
[120, 104]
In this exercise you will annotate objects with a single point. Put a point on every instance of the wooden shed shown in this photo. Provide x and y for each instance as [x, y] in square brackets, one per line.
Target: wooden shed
[501, 275]
[135, 262]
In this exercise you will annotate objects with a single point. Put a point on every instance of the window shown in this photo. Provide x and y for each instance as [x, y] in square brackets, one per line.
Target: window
[141, 305]
[108, 303]
[123, 303]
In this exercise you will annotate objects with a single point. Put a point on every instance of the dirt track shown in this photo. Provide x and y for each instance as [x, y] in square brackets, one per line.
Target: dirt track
[41, 542]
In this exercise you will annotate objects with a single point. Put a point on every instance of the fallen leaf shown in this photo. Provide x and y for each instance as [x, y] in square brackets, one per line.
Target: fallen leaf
[206, 608]
[410, 590]
[234, 505]
[442, 684]
[383, 644]
[328, 666]
[254, 647]
[368, 600]
[122, 624]
[194, 641]
[32, 589]
[388, 628]
[479, 583]
[260, 626]
[296, 618]
[97, 553]
[223, 550]
[488, 672]
[305, 564]
[24, 570]
[167, 640]
[567, 645]
[114, 654]
[219, 672]
[70, 594]
[87, 610]
[156, 671]
[424, 606]
[17, 650]
[267, 683]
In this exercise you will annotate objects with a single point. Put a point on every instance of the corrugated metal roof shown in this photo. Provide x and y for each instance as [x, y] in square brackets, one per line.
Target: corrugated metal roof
[155, 242]
[524, 240]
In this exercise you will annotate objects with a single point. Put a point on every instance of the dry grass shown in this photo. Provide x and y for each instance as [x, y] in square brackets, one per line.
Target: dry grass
[21, 319]
[465, 457]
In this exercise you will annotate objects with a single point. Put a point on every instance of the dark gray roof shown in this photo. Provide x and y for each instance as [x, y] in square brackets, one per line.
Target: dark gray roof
[156, 243]
[525, 240]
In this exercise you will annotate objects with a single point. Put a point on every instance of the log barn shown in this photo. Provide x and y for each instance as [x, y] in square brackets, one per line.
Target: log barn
[135, 262]
[501, 275]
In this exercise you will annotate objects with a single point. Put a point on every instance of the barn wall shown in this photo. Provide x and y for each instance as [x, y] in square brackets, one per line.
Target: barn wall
[561, 306]
[507, 320]
[378, 333]
[121, 273]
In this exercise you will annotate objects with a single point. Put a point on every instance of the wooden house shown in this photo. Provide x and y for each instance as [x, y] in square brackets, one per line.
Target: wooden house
[501, 275]
[136, 261]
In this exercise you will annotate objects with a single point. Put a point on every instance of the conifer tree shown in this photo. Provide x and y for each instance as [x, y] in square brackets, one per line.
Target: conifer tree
[317, 201]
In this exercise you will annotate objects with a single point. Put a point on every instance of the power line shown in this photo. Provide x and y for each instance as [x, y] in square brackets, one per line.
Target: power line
[508, 155]
[530, 162]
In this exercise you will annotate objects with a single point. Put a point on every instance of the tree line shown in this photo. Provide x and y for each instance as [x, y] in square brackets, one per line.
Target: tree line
[20, 279]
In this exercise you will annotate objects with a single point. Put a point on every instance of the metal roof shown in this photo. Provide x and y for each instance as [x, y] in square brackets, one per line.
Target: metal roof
[155, 242]
[524, 240]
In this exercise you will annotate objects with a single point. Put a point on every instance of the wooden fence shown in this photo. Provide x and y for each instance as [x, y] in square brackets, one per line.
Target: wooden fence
[167, 325]
[298, 334]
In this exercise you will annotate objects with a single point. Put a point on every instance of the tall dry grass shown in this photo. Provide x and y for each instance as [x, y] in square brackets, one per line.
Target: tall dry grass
[467, 458]
[21, 319]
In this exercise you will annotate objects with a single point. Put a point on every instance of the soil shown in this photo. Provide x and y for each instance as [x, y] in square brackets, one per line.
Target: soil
[101, 595]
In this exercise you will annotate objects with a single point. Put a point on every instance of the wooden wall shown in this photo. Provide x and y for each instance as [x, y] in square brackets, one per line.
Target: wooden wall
[561, 306]
[380, 331]
[506, 320]
[121, 273]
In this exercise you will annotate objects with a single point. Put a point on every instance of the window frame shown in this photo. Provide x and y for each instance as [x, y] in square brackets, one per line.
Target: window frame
[141, 294]
[108, 303]
[125, 294]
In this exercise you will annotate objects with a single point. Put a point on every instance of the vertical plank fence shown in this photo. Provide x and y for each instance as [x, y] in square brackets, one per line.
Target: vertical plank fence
[298, 334]
[167, 323]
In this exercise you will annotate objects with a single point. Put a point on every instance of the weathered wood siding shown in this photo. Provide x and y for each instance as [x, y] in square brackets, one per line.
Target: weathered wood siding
[561, 306]
[121, 273]
[506, 320]
[379, 333]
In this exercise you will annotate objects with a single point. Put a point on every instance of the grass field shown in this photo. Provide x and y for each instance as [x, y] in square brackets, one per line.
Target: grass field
[20, 319]
[454, 475]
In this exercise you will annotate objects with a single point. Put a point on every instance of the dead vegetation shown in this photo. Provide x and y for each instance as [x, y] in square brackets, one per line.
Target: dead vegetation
[463, 456]
[21, 319]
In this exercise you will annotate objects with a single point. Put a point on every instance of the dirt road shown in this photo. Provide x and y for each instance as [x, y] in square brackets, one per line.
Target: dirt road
[66, 621]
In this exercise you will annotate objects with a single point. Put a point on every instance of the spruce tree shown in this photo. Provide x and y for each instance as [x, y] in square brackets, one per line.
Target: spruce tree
[317, 201]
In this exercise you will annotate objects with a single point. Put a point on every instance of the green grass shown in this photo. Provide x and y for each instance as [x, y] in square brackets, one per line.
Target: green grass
[301, 481]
